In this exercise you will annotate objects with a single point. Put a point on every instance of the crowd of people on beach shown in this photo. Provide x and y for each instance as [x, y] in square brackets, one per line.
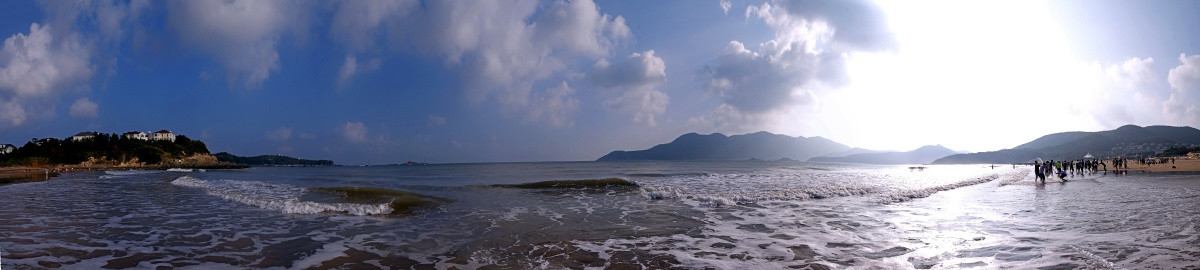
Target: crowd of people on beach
[1073, 168]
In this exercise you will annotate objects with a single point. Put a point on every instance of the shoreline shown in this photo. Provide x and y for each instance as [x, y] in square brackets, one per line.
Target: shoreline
[15, 175]
[25, 174]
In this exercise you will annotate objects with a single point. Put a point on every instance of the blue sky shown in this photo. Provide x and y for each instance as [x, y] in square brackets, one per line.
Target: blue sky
[373, 82]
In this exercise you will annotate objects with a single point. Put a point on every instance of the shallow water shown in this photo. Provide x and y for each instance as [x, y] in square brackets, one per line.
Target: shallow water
[728, 215]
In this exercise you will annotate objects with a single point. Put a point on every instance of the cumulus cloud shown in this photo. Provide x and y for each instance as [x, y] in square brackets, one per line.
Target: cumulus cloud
[506, 51]
[638, 75]
[638, 70]
[84, 108]
[755, 82]
[806, 56]
[241, 34]
[112, 19]
[351, 67]
[1184, 102]
[280, 134]
[554, 106]
[35, 68]
[726, 118]
[1129, 92]
[851, 25]
[725, 5]
[505, 48]
[357, 23]
[643, 103]
[354, 132]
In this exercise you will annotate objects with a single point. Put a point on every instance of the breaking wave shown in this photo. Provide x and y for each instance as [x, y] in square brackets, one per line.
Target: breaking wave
[282, 198]
[908, 195]
[881, 194]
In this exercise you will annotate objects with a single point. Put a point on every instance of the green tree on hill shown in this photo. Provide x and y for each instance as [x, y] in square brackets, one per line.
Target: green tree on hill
[104, 147]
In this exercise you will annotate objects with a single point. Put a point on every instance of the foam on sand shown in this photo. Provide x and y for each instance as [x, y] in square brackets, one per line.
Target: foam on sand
[288, 199]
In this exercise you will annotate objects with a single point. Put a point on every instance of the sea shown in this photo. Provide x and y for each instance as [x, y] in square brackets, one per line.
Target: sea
[655, 215]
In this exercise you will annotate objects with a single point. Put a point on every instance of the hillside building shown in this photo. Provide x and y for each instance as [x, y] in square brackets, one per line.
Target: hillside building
[83, 136]
[163, 135]
[136, 135]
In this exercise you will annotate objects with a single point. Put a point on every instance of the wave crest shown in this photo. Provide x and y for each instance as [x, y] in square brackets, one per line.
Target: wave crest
[277, 197]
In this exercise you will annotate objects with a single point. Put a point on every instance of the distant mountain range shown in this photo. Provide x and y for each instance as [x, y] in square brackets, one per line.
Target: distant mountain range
[760, 145]
[923, 155]
[1123, 141]
[270, 160]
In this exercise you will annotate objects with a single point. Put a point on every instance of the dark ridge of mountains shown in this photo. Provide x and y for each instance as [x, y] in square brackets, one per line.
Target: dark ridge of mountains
[924, 155]
[270, 160]
[1124, 141]
[717, 146]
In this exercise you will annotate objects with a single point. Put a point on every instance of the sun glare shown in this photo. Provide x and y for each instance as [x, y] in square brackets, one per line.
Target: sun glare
[960, 68]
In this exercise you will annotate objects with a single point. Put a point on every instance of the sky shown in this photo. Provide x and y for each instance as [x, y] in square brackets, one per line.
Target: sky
[379, 82]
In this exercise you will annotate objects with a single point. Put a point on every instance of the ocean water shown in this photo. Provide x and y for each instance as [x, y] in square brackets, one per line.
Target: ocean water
[687, 215]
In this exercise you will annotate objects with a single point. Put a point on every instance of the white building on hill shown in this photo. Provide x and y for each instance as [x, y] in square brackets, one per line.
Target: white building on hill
[163, 135]
[7, 149]
[83, 136]
[138, 135]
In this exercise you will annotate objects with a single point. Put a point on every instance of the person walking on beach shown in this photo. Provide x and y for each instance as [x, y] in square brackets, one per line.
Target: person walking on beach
[1038, 174]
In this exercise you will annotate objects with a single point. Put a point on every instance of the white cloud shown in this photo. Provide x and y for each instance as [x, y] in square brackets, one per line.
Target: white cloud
[639, 69]
[1184, 103]
[351, 67]
[280, 134]
[554, 106]
[354, 131]
[851, 25]
[35, 68]
[112, 19]
[755, 82]
[638, 75]
[357, 23]
[241, 34]
[642, 102]
[806, 58]
[725, 5]
[728, 119]
[1126, 93]
[502, 50]
[84, 108]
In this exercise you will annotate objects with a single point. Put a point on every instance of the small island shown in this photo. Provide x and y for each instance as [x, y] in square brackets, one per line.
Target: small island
[270, 160]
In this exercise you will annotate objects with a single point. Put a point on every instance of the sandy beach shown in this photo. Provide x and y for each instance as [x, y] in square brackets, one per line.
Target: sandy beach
[1180, 165]
[9, 175]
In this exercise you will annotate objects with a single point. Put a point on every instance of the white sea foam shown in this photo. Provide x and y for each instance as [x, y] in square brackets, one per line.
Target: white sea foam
[179, 170]
[908, 195]
[660, 193]
[282, 198]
